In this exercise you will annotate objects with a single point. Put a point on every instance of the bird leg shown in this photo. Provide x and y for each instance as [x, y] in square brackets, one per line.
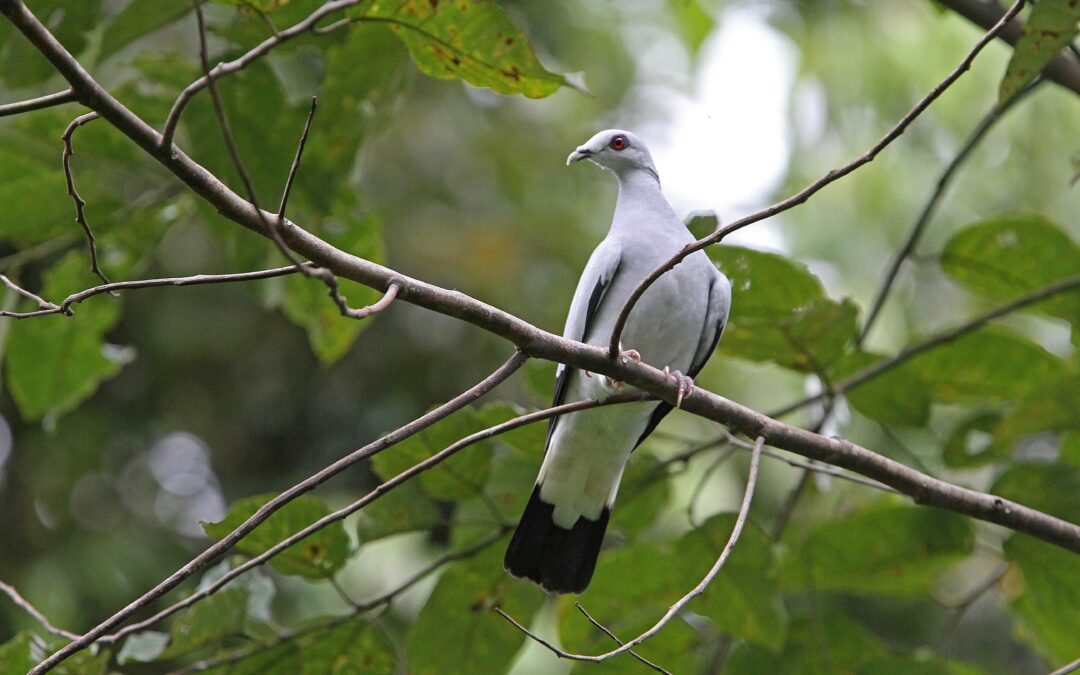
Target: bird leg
[686, 385]
[626, 357]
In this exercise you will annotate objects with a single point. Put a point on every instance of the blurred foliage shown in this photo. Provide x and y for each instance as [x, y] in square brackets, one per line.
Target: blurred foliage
[125, 426]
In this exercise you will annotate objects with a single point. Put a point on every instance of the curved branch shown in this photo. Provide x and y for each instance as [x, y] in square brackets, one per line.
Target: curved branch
[80, 214]
[740, 521]
[808, 191]
[19, 600]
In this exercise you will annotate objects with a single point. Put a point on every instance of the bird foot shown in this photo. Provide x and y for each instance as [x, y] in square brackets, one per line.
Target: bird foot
[631, 355]
[686, 385]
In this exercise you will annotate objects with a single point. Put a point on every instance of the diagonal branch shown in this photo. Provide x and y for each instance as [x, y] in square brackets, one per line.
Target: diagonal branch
[673, 611]
[47, 101]
[811, 189]
[266, 510]
[379, 491]
[988, 121]
[80, 214]
[604, 629]
[34, 612]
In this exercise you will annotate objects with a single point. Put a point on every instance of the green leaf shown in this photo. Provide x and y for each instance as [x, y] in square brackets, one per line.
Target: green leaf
[988, 364]
[474, 639]
[354, 647]
[824, 644]
[406, 508]
[143, 647]
[463, 475]
[306, 301]
[69, 22]
[704, 222]
[780, 312]
[15, 656]
[693, 23]
[317, 557]
[139, 18]
[919, 664]
[1050, 488]
[1069, 450]
[1006, 256]
[1044, 591]
[54, 363]
[473, 40]
[896, 396]
[883, 550]
[1049, 28]
[972, 442]
[1054, 406]
[206, 622]
[282, 659]
[32, 192]
[644, 494]
[26, 650]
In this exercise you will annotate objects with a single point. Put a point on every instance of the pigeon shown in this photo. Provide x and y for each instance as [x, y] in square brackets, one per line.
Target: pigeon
[675, 325]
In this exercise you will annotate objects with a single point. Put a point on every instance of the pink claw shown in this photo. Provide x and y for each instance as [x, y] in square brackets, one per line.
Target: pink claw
[686, 385]
[631, 355]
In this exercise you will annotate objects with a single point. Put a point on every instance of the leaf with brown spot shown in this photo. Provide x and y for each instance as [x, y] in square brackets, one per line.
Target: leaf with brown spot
[1050, 28]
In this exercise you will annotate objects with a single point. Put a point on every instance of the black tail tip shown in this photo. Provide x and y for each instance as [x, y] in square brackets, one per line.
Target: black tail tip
[558, 559]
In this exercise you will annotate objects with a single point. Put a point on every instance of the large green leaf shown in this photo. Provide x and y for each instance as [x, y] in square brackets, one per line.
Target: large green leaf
[406, 508]
[70, 23]
[353, 647]
[1054, 406]
[1051, 488]
[54, 363]
[139, 18]
[208, 621]
[457, 631]
[469, 39]
[780, 312]
[317, 557]
[32, 192]
[26, 650]
[990, 364]
[1049, 28]
[1044, 595]
[819, 645]
[972, 442]
[1008, 255]
[463, 475]
[887, 549]
[897, 396]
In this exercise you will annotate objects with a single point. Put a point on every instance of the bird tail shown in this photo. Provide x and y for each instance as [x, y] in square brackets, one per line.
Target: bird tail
[560, 560]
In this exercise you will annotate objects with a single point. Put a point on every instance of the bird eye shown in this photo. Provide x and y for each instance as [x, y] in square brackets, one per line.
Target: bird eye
[619, 143]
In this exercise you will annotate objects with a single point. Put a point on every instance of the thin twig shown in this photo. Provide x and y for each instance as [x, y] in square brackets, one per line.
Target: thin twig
[47, 101]
[377, 492]
[41, 302]
[296, 160]
[80, 214]
[22, 602]
[603, 629]
[911, 351]
[198, 279]
[223, 69]
[266, 510]
[740, 521]
[812, 188]
[985, 124]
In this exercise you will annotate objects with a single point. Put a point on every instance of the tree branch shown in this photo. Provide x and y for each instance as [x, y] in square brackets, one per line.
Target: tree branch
[80, 214]
[673, 611]
[47, 101]
[266, 510]
[603, 629]
[33, 611]
[1062, 70]
[808, 191]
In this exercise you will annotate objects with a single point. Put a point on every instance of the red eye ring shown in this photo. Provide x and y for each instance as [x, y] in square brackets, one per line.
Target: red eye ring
[619, 143]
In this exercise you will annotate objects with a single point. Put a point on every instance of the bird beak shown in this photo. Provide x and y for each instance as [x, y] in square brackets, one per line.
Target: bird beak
[578, 155]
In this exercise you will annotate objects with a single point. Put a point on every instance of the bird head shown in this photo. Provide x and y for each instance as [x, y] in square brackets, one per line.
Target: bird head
[616, 150]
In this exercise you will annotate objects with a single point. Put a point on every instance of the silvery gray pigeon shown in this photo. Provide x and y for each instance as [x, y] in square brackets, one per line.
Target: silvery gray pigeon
[675, 325]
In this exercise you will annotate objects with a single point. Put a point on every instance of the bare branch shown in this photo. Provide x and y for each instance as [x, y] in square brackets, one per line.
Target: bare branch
[47, 101]
[296, 160]
[1068, 668]
[33, 611]
[42, 303]
[603, 629]
[266, 510]
[673, 611]
[812, 188]
[985, 124]
[80, 214]
[941, 338]
[379, 491]
[223, 69]
[198, 279]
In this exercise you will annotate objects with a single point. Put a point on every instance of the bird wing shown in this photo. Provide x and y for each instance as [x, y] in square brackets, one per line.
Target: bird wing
[591, 289]
[719, 304]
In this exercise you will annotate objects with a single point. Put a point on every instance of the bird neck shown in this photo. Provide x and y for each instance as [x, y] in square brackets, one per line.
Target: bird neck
[640, 197]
